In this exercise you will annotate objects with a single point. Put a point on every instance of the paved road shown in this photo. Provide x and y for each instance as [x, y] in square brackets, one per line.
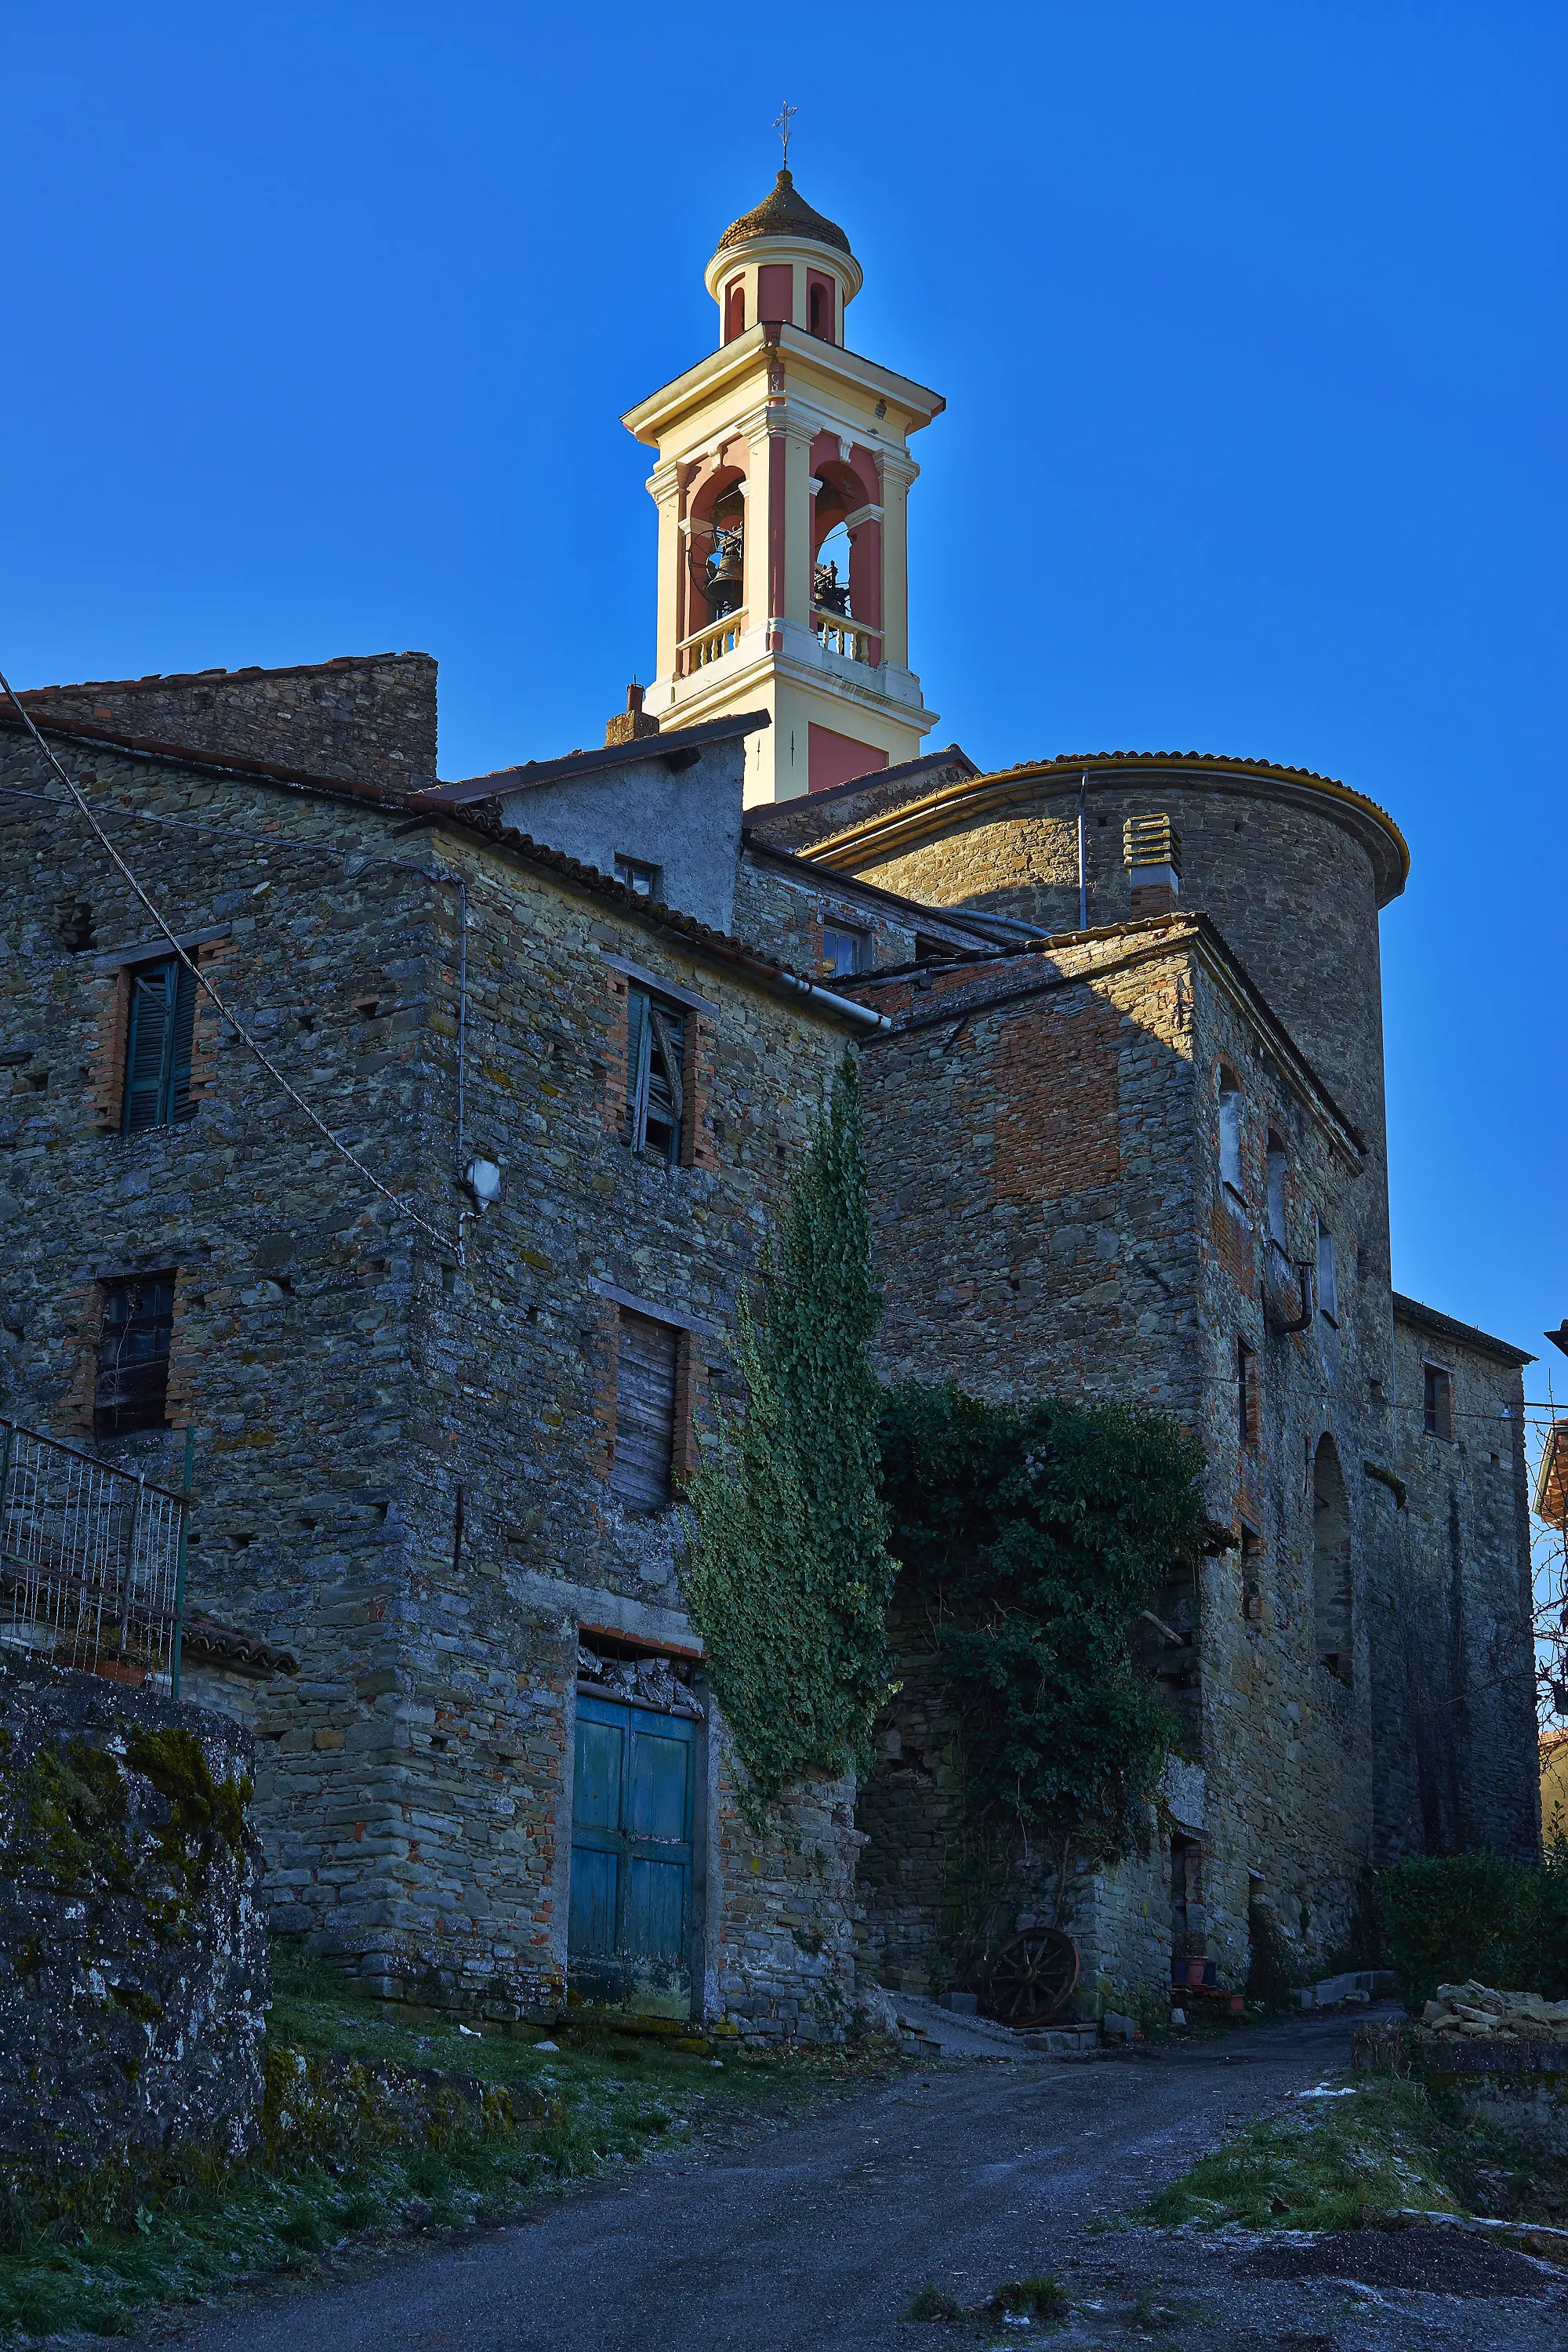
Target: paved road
[814, 2240]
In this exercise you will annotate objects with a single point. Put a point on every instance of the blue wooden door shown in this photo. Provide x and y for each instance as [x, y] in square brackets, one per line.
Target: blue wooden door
[634, 1786]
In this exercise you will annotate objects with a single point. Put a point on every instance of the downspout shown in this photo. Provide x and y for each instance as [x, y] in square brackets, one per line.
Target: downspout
[1082, 870]
[861, 1013]
[462, 999]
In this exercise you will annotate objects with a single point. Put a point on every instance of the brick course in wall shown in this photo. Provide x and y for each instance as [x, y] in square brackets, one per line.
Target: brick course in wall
[1133, 1275]
[405, 1429]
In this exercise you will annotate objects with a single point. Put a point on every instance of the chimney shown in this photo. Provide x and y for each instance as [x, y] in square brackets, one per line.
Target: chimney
[628, 725]
[1151, 852]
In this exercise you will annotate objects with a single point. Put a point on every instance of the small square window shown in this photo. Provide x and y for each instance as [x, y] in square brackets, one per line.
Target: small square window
[1436, 1402]
[639, 878]
[133, 1389]
[843, 950]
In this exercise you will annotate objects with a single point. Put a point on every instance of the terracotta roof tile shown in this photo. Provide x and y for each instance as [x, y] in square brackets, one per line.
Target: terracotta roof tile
[784, 212]
[160, 680]
[652, 913]
[207, 1642]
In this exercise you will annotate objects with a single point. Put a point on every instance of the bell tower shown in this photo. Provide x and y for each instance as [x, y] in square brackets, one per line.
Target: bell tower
[781, 477]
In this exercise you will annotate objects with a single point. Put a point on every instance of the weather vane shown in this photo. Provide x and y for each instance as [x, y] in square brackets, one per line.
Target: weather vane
[786, 116]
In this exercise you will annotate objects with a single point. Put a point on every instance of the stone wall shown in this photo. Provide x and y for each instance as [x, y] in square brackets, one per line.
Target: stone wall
[1292, 875]
[402, 1432]
[798, 824]
[685, 823]
[1050, 1219]
[780, 905]
[361, 717]
[133, 1974]
[1456, 1722]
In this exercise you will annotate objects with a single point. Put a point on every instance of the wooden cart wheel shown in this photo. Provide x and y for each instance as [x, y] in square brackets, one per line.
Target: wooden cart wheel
[1032, 1977]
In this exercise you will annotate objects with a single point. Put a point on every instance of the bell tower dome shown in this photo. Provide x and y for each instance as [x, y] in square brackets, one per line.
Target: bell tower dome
[781, 479]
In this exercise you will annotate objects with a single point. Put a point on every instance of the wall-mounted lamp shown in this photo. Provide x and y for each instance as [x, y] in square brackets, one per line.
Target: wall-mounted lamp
[484, 1181]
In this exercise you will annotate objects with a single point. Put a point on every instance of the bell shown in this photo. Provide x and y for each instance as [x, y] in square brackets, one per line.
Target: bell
[724, 586]
[727, 571]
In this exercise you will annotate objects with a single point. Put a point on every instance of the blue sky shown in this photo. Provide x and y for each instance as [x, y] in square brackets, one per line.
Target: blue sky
[319, 320]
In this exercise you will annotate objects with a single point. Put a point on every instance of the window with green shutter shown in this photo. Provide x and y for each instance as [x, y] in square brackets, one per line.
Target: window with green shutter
[158, 1046]
[656, 1075]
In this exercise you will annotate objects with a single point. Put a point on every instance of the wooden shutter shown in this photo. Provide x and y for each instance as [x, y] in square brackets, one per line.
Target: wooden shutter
[158, 1046]
[645, 1413]
[665, 1093]
[656, 1085]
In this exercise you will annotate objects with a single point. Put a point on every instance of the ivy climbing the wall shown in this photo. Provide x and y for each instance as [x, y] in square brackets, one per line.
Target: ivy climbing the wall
[790, 1577]
[1030, 1538]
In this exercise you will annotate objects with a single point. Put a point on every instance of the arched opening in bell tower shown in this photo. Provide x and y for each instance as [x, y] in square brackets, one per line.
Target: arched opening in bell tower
[822, 306]
[714, 583]
[846, 549]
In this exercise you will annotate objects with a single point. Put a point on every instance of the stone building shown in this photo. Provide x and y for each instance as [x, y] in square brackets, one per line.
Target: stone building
[432, 1235]
[1289, 872]
[440, 1391]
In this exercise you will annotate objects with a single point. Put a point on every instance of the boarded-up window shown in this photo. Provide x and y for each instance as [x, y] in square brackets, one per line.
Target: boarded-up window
[1327, 1280]
[645, 1413]
[656, 1075]
[1437, 1403]
[1246, 1392]
[158, 1046]
[1231, 1139]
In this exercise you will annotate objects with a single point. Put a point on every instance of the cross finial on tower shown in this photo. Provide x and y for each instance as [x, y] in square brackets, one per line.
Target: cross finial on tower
[786, 116]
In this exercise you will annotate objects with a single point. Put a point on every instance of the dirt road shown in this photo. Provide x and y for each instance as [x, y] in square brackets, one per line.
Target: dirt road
[815, 2240]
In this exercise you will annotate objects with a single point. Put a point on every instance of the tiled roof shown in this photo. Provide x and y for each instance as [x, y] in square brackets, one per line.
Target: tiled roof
[1000, 784]
[204, 1642]
[156, 678]
[720, 945]
[783, 213]
[652, 913]
[676, 745]
[1448, 1327]
[918, 913]
[1142, 939]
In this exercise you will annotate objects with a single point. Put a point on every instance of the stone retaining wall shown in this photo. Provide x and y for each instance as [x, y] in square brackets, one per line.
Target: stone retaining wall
[134, 1968]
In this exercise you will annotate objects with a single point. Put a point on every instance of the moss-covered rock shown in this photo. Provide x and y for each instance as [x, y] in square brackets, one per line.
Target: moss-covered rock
[133, 1967]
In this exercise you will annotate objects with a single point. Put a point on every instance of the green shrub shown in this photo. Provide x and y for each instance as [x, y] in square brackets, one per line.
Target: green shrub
[1032, 1535]
[790, 1576]
[1029, 2298]
[932, 2302]
[1551, 1930]
[1456, 1915]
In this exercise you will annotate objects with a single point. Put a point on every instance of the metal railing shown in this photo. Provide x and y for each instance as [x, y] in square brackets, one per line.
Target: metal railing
[93, 1560]
[711, 644]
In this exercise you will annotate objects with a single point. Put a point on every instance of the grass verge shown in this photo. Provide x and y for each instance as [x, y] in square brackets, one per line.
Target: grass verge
[597, 2102]
[1348, 2163]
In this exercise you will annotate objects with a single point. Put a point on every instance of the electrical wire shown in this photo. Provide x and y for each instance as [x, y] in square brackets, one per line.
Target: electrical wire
[204, 983]
[456, 882]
